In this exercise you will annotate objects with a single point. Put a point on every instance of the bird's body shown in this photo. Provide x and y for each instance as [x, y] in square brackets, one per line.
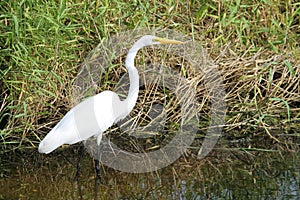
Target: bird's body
[69, 131]
[96, 114]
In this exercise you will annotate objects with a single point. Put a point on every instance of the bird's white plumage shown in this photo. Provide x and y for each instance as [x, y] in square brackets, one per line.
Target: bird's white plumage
[69, 131]
[96, 114]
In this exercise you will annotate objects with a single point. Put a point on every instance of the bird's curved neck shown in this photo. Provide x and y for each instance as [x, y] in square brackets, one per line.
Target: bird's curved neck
[133, 77]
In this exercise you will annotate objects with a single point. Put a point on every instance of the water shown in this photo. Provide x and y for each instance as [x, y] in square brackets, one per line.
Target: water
[225, 174]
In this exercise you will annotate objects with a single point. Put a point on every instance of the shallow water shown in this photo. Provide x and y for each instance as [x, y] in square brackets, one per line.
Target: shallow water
[225, 174]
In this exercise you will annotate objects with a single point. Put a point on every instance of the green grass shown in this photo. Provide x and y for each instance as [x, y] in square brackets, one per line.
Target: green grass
[43, 43]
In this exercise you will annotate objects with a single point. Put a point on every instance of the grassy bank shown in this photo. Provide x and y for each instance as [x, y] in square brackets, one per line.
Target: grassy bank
[254, 44]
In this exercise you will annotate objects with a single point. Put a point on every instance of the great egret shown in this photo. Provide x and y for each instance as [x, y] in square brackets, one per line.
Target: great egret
[96, 114]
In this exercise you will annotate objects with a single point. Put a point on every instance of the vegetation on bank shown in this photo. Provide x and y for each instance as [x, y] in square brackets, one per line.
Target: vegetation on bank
[255, 45]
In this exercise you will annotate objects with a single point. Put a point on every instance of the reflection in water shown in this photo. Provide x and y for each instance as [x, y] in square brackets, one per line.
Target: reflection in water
[230, 175]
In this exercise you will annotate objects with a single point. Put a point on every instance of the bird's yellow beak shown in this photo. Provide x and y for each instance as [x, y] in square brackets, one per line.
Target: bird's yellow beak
[167, 41]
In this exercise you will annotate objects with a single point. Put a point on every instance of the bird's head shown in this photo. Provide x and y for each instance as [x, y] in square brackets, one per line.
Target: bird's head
[147, 40]
[158, 40]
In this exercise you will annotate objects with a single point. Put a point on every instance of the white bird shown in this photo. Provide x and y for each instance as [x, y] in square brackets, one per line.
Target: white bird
[96, 114]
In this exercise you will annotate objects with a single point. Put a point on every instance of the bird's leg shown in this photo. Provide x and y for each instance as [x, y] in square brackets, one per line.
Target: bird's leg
[80, 156]
[98, 178]
[97, 168]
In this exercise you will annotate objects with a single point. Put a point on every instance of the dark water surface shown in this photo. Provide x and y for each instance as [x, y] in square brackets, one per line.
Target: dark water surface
[224, 174]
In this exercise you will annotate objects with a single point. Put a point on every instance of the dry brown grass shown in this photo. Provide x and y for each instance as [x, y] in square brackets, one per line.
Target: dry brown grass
[263, 92]
[262, 95]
